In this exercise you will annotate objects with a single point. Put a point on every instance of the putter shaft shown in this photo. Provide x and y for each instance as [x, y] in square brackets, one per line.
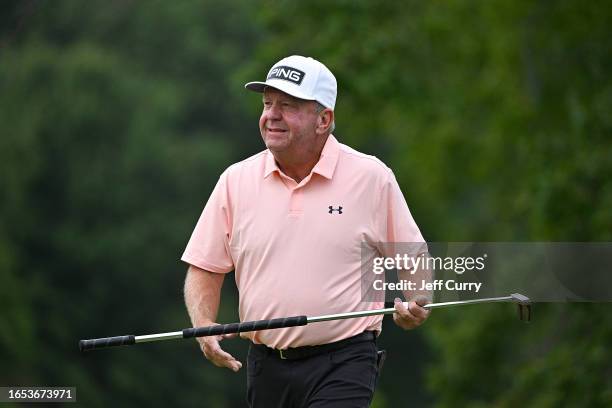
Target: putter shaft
[391, 310]
[522, 301]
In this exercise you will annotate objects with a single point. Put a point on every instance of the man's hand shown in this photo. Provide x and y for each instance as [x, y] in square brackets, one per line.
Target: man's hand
[216, 355]
[413, 316]
[202, 298]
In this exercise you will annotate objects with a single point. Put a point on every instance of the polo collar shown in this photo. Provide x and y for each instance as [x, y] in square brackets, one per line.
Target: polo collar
[329, 158]
[325, 166]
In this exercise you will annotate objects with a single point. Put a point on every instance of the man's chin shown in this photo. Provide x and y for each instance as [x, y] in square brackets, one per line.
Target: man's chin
[276, 145]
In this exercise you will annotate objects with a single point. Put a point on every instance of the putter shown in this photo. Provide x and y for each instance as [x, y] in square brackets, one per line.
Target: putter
[523, 302]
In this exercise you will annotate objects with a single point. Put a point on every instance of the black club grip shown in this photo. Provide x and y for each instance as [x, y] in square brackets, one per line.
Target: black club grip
[85, 345]
[245, 326]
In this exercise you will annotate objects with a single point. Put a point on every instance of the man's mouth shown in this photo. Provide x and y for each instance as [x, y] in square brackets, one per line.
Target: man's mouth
[275, 130]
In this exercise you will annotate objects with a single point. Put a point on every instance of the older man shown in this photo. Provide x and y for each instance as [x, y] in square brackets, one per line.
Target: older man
[291, 222]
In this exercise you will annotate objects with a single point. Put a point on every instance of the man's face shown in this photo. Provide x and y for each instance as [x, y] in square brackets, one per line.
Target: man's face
[287, 124]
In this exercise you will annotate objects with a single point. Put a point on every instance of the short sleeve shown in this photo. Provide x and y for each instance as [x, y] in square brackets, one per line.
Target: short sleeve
[395, 223]
[208, 247]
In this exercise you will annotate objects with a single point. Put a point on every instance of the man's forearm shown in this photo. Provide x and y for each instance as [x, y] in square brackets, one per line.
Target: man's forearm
[202, 295]
[421, 276]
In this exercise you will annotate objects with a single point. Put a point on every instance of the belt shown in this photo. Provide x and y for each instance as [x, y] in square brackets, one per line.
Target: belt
[311, 351]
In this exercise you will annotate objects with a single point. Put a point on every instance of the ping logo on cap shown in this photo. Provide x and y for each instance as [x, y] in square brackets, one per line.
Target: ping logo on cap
[286, 73]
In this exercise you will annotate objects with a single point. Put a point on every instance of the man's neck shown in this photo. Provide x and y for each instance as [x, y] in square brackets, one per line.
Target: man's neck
[298, 172]
[299, 167]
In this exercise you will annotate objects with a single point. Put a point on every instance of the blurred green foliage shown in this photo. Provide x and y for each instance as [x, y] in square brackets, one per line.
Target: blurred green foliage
[116, 118]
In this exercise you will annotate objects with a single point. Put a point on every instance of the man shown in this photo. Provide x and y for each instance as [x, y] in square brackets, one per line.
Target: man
[291, 221]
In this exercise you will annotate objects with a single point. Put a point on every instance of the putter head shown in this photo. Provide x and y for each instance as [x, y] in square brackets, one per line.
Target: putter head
[524, 306]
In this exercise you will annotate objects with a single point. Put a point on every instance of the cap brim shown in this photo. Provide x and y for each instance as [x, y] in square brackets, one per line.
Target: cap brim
[258, 86]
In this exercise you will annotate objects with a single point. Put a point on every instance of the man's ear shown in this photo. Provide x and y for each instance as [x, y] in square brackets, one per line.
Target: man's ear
[325, 120]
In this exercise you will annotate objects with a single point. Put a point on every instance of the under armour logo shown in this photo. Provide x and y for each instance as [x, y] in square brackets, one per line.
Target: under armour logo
[332, 209]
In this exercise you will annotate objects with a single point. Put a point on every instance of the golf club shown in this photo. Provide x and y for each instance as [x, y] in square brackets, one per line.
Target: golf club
[523, 302]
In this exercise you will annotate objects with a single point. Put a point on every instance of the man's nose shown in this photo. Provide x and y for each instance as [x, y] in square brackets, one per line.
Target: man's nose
[274, 112]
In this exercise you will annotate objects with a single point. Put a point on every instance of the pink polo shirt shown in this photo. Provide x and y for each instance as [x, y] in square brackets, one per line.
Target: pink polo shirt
[292, 255]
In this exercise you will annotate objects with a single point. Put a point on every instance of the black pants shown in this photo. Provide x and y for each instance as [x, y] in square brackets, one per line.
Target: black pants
[340, 378]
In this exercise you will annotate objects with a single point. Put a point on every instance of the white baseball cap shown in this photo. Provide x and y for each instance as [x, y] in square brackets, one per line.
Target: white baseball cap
[302, 77]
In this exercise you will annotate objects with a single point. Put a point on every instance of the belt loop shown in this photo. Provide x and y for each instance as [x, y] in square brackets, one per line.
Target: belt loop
[282, 356]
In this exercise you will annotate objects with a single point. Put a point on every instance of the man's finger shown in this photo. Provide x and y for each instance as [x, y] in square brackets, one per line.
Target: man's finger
[213, 352]
[221, 358]
[405, 323]
[402, 311]
[401, 308]
[224, 359]
[409, 317]
[421, 300]
[416, 310]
